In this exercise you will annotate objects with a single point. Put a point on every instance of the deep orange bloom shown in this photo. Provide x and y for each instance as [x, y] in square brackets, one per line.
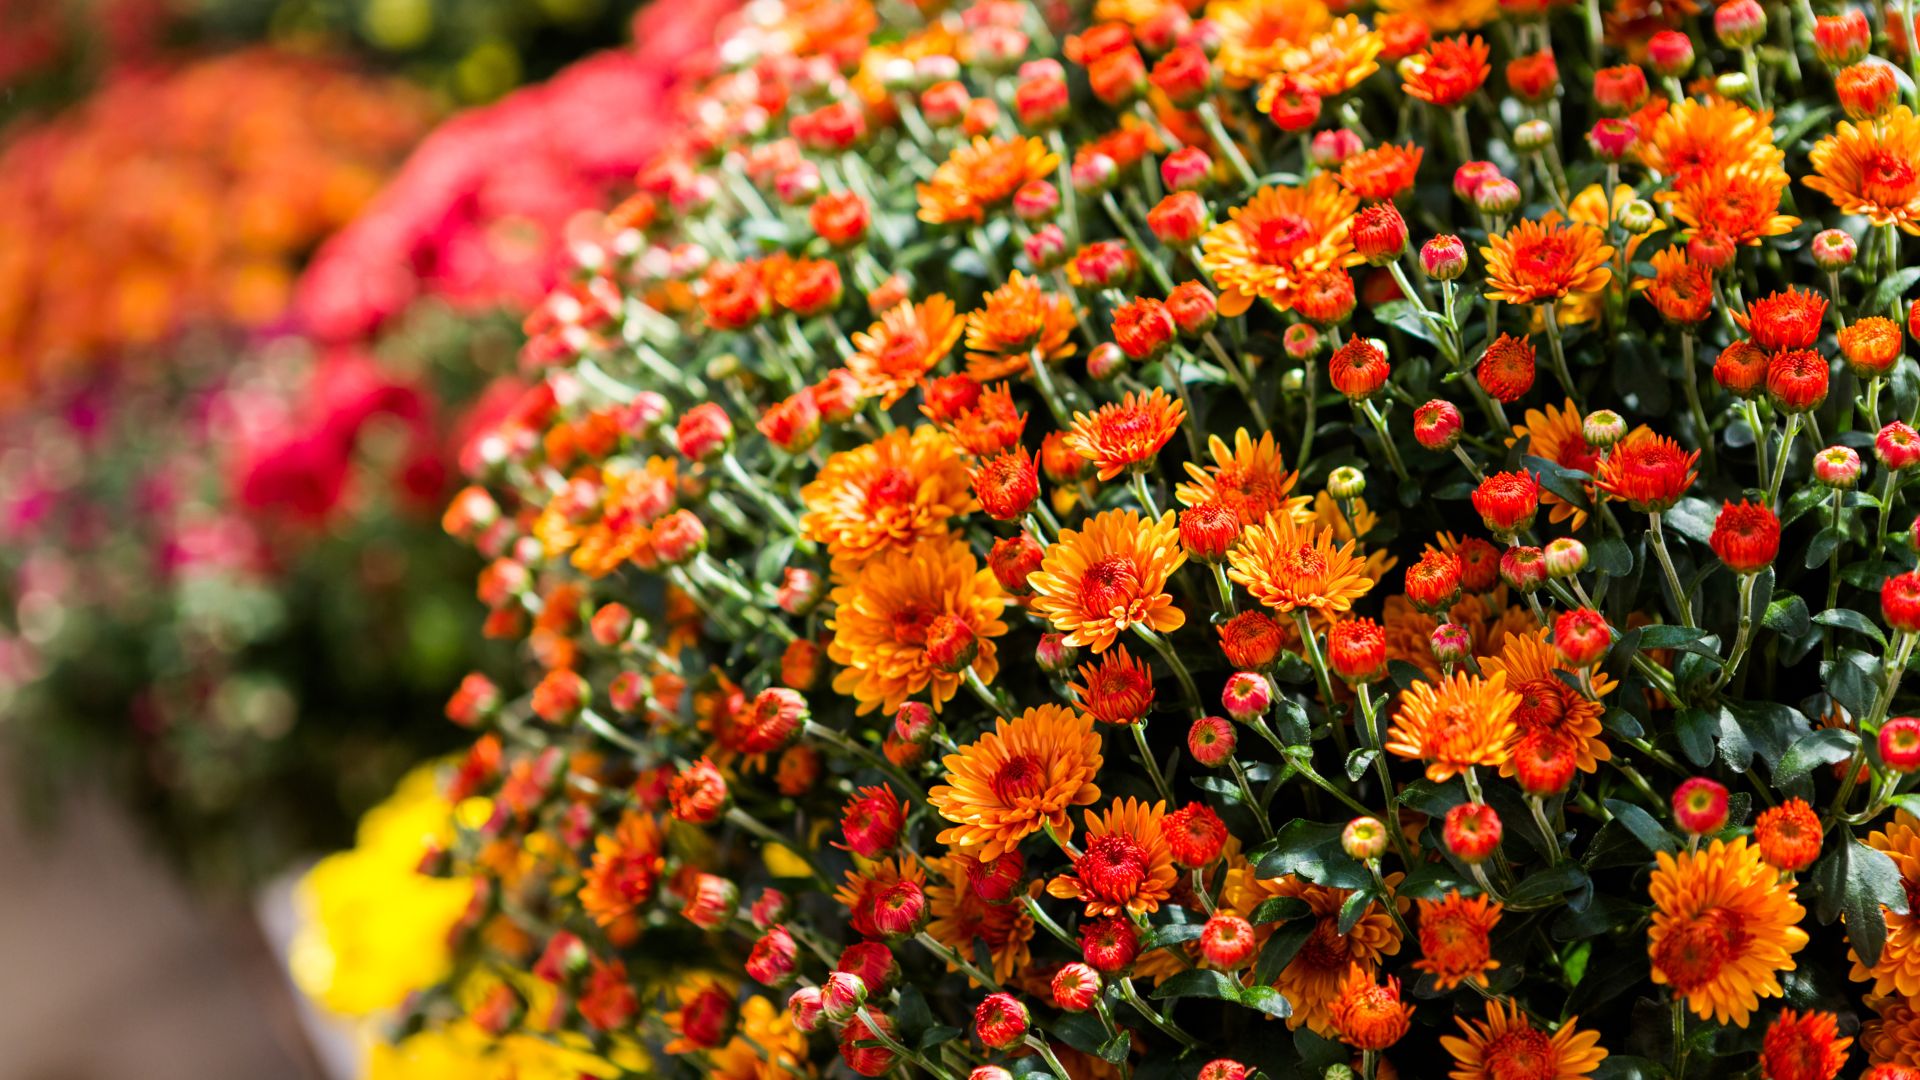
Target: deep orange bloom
[1648, 472]
[626, 868]
[902, 487]
[1871, 345]
[1680, 289]
[894, 354]
[1013, 324]
[1741, 203]
[1369, 1015]
[1118, 689]
[1788, 319]
[1311, 980]
[961, 916]
[1506, 369]
[1127, 434]
[1788, 835]
[1546, 260]
[1898, 971]
[1289, 566]
[1724, 927]
[885, 610]
[1533, 668]
[1110, 576]
[1455, 724]
[1803, 1046]
[1017, 779]
[1447, 71]
[1126, 864]
[1506, 1046]
[1698, 137]
[991, 425]
[1250, 478]
[1381, 172]
[1284, 235]
[981, 176]
[1872, 169]
[1454, 946]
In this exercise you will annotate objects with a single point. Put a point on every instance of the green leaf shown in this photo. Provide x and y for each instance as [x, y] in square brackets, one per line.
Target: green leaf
[1160, 937]
[1695, 729]
[1082, 1031]
[1569, 484]
[1692, 518]
[1312, 851]
[1430, 881]
[1268, 1000]
[1115, 1050]
[1821, 547]
[1279, 909]
[1355, 908]
[911, 1017]
[1643, 827]
[1856, 881]
[1610, 556]
[1822, 747]
[1280, 950]
[1689, 639]
[1850, 619]
[1551, 882]
[1853, 678]
[1604, 915]
[1803, 500]
[937, 1035]
[1431, 799]
[1360, 761]
[1787, 615]
[1890, 288]
[1402, 314]
[1618, 1067]
[1198, 983]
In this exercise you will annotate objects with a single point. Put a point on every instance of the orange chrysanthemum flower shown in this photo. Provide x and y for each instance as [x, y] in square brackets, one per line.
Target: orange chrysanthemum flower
[1788, 835]
[1018, 779]
[1369, 1015]
[1118, 689]
[992, 426]
[981, 176]
[1110, 576]
[1250, 478]
[1648, 472]
[1724, 927]
[1680, 289]
[1256, 35]
[1126, 434]
[1545, 260]
[900, 488]
[1311, 980]
[886, 611]
[1282, 237]
[1898, 971]
[1872, 170]
[1454, 946]
[1741, 203]
[1803, 1046]
[960, 917]
[1289, 566]
[1446, 16]
[630, 500]
[1698, 137]
[704, 1014]
[868, 883]
[626, 868]
[1455, 724]
[1447, 71]
[1329, 64]
[1895, 1034]
[1015, 323]
[1507, 1046]
[892, 356]
[1547, 703]
[1558, 434]
[1126, 865]
[1381, 172]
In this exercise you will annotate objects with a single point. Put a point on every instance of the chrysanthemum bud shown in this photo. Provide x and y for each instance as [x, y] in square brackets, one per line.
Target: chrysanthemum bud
[1620, 89]
[1450, 643]
[1012, 559]
[1532, 136]
[874, 962]
[1208, 531]
[1179, 219]
[1109, 945]
[1497, 196]
[1443, 258]
[1194, 308]
[1900, 602]
[1041, 102]
[1833, 249]
[1732, 85]
[1523, 568]
[1075, 987]
[710, 902]
[1700, 806]
[1612, 139]
[1472, 832]
[1246, 697]
[698, 793]
[1468, 178]
[1302, 341]
[1581, 636]
[1740, 23]
[1603, 428]
[1346, 482]
[1036, 201]
[1900, 744]
[805, 1008]
[1357, 650]
[944, 103]
[1143, 328]
[1227, 941]
[1839, 40]
[1047, 247]
[1186, 169]
[703, 432]
[771, 907]
[772, 959]
[1000, 1021]
[1437, 425]
[1837, 468]
[1671, 53]
[1094, 173]
[1507, 501]
[1334, 146]
[1639, 217]
[1897, 446]
[1544, 762]
[1054, 655]
[1211, 741]
[1359, 368]
[1364, 838]
[560, 696]
[841, 996]
[1379, 233]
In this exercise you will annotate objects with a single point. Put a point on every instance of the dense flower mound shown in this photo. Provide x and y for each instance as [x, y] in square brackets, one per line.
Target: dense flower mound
[1252, 536]
[179, 198]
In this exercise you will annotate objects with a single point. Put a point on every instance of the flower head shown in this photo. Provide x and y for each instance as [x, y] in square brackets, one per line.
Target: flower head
[1648, 472]
[1545, 260]
[901, 488]
[1013, 324]
[1455, 724]
[1803, 1046]
[1507, 1045]
[1454, 946]
[1125, 863]
[885, 615]
[1723, 929]
[1268, 248]
[1127, 434]
[894, 354]
[1447, 71]
[1017, 779]
[1746, 536]
[1118, 689]
[981, 177]
[1369, 1015]
[1288, 566]
[1872, 170]
[1110, 576]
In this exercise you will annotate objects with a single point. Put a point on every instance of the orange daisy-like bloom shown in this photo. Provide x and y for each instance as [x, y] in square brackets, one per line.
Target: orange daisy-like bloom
[891, 357]
[1118, 689]
[1546, 260]
[1446, 16]
[1311, 980]
[1133, 140]
[899, 489]
[1013, 324]
[1697, 137]
[625, 870]
[1680, 289]
[1872, 170]
[1289, 566]
[1126, 434]
[886, 611]
[1506, 1046]
[1803, 1046]
[1741, 203]
[992, 426]
[1446, 71]
[631, 499]
[1547, 703]
[1250, 478]
[1895, 1034]
[1381, 172]
[1648, 472]
[1329, 64]
[1455, 724]
[1110, 576]
[1558, 434]
[1898, 971]
[1125, 866]
[867, 883]
[1592, 207]
[1724, 927]
[982, 176]
[1256, 35]
[1453, 939]
[1282, 237]
[960, 917]
[1369, 1015]
[1017, 779]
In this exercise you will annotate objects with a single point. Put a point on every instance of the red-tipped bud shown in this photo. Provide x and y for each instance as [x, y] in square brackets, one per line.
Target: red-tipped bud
[1472, 832]
[1227, 941]
[1581, 636]
[1700, 806]
[1211, 741]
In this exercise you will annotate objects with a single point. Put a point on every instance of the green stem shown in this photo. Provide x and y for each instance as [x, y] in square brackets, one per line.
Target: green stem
[1217, 131]
[1681, 604]
[1146, 760]
[1780, 464]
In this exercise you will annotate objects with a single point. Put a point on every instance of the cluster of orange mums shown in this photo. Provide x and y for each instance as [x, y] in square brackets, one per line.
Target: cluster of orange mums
[1029, 568]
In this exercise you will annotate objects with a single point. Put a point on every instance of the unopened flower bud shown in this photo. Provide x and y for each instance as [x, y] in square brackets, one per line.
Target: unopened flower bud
[1523, 568]
[1246, 697]
[1603, 428]
[1497, 196]
[1732, 85]
[1671, 53]
[1094, 174]
[1472, 832]
[1740, 23]
[1437, 425]
[1833, 249]
[1444, 258]
[1900, 744]
[1331, 148]
[1450, 643]
[1106, 361]
[1532, 136]
[1581, 636]
[1639, 217]
[1565, 557]
[1054, 655]
[1047, 248]
[1364, 838]
[1000, 1021]
[1346, 482]
[1837, 468]
[841, 996]
[806, 1009]
[1186, 169]
[1211, 741]
[1075, 987]
[1301, 341]
[1700, 806]
[1036, 201]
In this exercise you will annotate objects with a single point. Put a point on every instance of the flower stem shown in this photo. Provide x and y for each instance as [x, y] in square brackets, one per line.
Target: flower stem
[1386, 440]
[1146, 760]
[1217, 131]
[1780, 463]
[1165, 1025]
[1560, 369]
[958, 962]
[1172, 658]
[1744, 639]
[1680, 601]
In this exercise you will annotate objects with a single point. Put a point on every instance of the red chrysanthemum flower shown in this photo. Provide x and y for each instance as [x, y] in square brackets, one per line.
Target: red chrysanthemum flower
[1143, 328]
[1195, 835]
[1506, 369]
[1384, 172]
[1357, 649]
[1900, 602]
[1109, 944]
[1648, 472]
[1208, 530]
[1797, 380]
[1803, 1046]
[1447, 71]
[1327, 298]
[1788, 835]
[1358, 369]
[1118, 689]
[1252, 640]
[1507, 501]
[1379, 233]
[1006, 484]
[1433, 583]
[1746, 536]
[1784, 320]
[872, 821]
[1127, 434]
